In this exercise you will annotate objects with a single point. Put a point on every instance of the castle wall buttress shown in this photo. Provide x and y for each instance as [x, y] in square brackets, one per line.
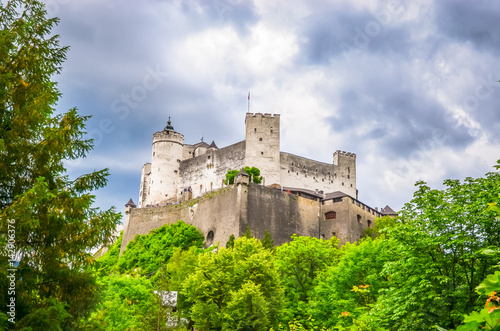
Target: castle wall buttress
[262, 150]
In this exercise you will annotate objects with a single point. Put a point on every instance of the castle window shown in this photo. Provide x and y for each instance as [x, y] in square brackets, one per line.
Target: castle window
[323, 179]
[260, 139]
[297, 173]
[329, 173]
[348, 176]
[331, 215]
[335, 175]
[153, 153]
[359, 218]
[314, 177]
[255, 130]
[189, 152]
[175, 171]
[261, 153]
[342, 183]
[322, 236]
[369, 223]
[357, 203]
[209, 157]
[351, 185]
[334, 234]
[271, 131]
[288, 171]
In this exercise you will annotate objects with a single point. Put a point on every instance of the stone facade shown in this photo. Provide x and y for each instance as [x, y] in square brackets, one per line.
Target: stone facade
[177, 168]
[297, 195]
[282, 212]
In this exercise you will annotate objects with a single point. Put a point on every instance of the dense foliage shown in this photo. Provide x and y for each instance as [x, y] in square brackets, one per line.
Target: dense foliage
[49, 217]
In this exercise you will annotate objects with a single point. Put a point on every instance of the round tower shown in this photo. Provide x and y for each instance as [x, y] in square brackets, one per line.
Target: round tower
[165, 161]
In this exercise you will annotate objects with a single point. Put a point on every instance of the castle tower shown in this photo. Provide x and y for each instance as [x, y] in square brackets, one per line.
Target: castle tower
[167, 155]
[346, 172]
[262, 145]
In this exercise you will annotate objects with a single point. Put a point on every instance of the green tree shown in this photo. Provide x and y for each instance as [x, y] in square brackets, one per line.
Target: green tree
[230, 177]
[347, 290]
[254, 174]
[268, 241]
[148, 253]
[248, 233]
[235, 289]
[230, 242]
[52, 214]
[127, 303]
[438, 245]
[300, 262]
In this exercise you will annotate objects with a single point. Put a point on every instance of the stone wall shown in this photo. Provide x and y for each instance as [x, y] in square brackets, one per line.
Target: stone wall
[205, 173]
[352, 218]
[217, 211]
[281, 213]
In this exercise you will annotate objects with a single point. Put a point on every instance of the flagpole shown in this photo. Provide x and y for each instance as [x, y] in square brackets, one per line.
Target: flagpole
[248, 101]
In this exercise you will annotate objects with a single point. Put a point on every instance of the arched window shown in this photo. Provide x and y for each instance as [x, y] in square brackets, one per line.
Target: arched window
[359, 218]
[331, 215]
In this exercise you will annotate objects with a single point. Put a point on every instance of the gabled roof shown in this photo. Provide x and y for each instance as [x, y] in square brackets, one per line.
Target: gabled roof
[388, 211]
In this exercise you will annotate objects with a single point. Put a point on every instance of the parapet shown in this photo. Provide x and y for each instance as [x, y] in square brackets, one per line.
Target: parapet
[266, 115]
[168, 136]
[344, 153]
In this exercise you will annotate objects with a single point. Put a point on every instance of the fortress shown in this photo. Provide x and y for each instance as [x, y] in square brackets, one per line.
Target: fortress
[297, 195]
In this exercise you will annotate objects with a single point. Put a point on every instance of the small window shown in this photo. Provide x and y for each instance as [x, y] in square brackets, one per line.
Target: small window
[351, 185]
[359, 218]
[209, 157]
[331, 215]
[261, 153]
[260, 139]
[334, 234]
[369, 223]
[189, 152]
[288, 171]
[348, 176]
[255, 130]
[154, 153]
[271, 131]
[210, 238]
[342, 183]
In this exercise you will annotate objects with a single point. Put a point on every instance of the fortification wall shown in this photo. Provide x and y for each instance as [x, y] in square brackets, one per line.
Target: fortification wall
[301, 172]
[206, 172]
[281, 213]
[218, 212]
[352, 218]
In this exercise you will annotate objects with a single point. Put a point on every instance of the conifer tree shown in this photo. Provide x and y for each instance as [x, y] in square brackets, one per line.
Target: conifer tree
[49, 214]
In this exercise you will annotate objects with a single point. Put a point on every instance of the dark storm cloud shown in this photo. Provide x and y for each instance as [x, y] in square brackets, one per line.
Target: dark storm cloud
[342, 31]
[470, 21]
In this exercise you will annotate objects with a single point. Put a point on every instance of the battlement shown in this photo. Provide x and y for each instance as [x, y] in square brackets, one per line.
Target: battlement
[344, 153]
[260, 115]
[166, 135]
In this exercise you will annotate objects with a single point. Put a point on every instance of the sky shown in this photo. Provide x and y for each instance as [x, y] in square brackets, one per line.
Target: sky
[410, 87]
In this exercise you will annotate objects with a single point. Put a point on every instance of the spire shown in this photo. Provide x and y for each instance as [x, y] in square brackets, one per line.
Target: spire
[213, 145]
[169, 126]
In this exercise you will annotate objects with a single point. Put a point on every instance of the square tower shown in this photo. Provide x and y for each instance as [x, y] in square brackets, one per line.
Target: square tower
[262, 145]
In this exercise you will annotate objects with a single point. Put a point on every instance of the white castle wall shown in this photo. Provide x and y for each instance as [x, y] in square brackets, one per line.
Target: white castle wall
[165, 162]
[300, 172]
[177, 168]
[206, 172]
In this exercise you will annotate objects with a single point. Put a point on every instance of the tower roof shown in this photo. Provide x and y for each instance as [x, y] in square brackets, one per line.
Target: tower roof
[169, 126]
[130, 203]
[388, 211]
[213, 145]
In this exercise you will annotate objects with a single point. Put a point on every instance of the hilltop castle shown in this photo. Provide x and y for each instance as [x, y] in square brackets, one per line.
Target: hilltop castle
[297, 195]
